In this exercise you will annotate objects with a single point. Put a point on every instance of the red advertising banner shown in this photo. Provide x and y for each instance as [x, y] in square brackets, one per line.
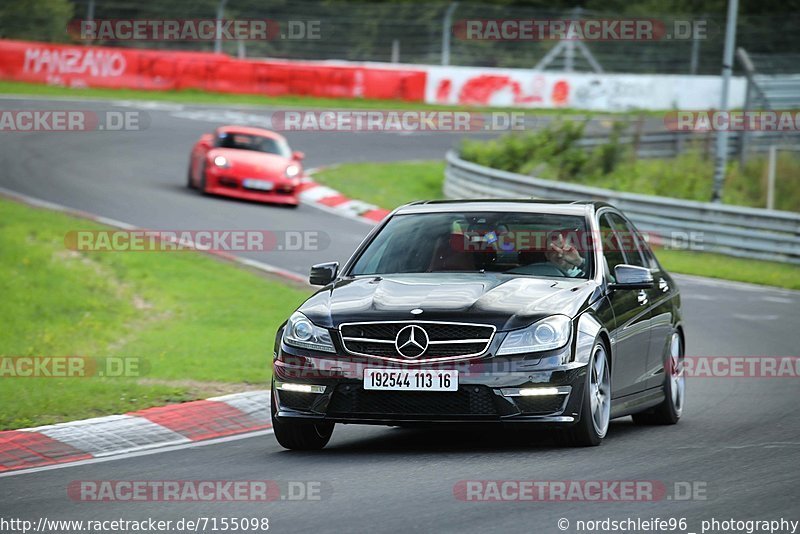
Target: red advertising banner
[125, 68]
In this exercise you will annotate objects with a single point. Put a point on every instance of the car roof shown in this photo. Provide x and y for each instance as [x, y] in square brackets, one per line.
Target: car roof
[249, 130]
[565, 207]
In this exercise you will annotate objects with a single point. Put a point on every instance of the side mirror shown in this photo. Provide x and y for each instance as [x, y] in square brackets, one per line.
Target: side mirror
[323, 274]
[632, 277]
[297, 155]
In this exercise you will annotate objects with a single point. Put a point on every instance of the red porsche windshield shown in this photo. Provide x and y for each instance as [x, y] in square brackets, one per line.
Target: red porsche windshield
[258, 143]
[533, 244]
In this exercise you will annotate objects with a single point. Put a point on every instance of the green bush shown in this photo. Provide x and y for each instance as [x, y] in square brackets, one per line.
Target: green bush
[552, 153]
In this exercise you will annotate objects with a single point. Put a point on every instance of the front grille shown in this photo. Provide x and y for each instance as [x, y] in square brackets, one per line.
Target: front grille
[355, 401]
[446, 340]
[540, 405]
[296, 400]
[225, 181]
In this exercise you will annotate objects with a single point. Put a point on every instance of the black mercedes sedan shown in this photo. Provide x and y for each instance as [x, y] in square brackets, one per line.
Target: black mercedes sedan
[551, 313]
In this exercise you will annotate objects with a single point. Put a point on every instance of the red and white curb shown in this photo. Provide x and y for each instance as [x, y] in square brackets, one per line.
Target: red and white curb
[162, 426]
[332, 200]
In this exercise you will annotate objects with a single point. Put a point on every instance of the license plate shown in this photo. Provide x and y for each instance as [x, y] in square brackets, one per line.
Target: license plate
[261, 185]
[410, 380]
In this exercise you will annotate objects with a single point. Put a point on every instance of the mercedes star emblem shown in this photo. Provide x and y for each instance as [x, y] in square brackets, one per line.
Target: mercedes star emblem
[411, 341]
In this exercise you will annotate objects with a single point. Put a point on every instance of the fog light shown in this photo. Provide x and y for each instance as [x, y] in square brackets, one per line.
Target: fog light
[538, 392]
[300, 388]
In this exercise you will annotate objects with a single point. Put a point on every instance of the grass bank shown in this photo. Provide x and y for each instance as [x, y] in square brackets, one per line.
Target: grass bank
[387, 185]
[553, 153]
[196, 326]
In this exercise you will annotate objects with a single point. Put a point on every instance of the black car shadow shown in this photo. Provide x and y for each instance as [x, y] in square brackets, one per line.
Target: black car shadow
[179, 188]
[467, 439]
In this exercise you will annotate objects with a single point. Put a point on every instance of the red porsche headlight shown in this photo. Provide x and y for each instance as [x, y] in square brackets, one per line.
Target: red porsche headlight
[292, 171]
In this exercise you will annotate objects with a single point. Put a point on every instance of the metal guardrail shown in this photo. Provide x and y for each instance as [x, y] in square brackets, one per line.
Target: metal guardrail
[782, 92]
[670, 144]
[732, 230]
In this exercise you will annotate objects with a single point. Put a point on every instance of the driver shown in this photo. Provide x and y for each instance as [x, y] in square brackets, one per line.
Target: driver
[565, 257]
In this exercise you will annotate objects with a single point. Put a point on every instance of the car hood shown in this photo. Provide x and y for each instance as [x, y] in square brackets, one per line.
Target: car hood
[253, 164]
[505, 301]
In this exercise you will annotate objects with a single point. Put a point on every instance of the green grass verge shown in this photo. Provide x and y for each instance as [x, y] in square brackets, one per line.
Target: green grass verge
[200, 326]
[196, 96]
[386, 184]
[730, 268]
[392, 184]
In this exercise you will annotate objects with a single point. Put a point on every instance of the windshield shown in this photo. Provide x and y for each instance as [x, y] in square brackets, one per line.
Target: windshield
[534, 244]
[257, 143]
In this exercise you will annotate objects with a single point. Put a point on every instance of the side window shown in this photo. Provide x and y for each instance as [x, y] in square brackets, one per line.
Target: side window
[647, 252]
[631, 247]
[612, 250]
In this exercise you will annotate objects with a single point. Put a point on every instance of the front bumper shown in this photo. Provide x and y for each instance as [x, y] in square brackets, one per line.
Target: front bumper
[220, 182]
[488, 391]
[256, 196]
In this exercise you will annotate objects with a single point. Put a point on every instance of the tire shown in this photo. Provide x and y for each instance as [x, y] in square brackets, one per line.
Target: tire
[300, 436]
[596, 403]
[189, 183]
[668, 412]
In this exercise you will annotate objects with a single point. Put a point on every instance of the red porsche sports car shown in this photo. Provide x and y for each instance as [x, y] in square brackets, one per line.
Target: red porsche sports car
[248, 163]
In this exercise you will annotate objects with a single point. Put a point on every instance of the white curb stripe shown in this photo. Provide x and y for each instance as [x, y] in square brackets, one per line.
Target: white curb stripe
[255, 404]
[114, 434]
[317, 193]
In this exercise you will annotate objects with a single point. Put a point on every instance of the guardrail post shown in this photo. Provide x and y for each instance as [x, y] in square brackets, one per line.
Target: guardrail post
[773, 157]
[89, 17]
[637, 136]
[721, 159]
[220, 14]
[447, 32]
[749, 71]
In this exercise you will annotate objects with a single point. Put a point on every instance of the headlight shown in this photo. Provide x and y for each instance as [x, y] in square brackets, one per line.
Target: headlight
[221, 161]
[292, 171]
[300, 332]
[548, 334]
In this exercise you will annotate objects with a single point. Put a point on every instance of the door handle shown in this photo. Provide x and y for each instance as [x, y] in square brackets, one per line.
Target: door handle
[642, 298]
[663, 285]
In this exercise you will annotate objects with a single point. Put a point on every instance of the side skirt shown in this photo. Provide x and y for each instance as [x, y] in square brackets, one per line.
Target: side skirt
[636, 402]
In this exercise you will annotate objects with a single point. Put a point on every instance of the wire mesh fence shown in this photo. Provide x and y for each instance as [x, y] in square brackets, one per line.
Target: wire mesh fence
[416, 33]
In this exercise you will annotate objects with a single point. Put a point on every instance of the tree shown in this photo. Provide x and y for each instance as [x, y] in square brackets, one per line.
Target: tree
[35, 20]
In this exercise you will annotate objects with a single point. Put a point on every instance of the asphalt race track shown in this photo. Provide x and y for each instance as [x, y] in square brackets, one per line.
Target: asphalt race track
[738, 440]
